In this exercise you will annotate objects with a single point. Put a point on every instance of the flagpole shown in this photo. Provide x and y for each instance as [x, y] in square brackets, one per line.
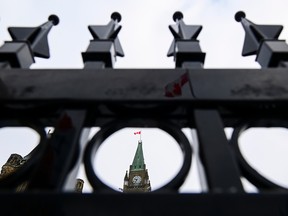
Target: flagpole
[138, 132]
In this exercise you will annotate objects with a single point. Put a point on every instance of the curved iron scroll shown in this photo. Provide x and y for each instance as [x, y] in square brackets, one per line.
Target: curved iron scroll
[109, 129]
[262, 183]
[22, 174]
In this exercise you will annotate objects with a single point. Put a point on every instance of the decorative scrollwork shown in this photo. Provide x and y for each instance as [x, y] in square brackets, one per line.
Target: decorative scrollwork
[109, 129]
[261, 182]
[16, 170]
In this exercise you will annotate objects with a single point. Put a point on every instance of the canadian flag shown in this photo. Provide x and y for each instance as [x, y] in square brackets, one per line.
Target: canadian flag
[139, 132]
[174, 88]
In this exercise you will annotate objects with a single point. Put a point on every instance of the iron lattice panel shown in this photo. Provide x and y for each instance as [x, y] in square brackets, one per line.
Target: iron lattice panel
[209, 101]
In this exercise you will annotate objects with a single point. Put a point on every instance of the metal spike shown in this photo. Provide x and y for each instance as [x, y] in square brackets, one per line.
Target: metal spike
[36, 37]
[255, 34]
[185, 46]
[181, 31]
[105, 46]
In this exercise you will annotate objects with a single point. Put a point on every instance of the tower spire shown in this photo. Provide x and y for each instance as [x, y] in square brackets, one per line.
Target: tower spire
[137, 180]
[138, 161]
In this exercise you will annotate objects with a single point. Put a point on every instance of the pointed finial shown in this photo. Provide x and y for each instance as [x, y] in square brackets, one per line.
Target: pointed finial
[185, 46]
[255, 34]
[54, 19]
[177, 16]
[239, 15]
[182, 31]
[126, 175]
[79, 185]
[36, 36]
[109, 31]
[116, 16]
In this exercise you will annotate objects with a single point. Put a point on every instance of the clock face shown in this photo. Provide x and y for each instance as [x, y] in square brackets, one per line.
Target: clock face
[136, 179]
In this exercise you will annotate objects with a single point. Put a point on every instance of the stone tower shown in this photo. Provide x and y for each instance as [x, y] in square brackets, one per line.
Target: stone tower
[137, 179]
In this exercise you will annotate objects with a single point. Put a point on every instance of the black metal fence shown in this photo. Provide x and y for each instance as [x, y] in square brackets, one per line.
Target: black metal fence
[207, 100]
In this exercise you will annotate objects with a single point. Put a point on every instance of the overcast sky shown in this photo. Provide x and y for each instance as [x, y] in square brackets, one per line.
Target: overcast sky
[145, 39]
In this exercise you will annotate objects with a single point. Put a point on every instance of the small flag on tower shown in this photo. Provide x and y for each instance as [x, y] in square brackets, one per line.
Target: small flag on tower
[138, 132]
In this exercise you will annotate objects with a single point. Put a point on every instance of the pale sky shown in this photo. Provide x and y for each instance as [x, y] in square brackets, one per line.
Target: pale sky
[145, 39]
